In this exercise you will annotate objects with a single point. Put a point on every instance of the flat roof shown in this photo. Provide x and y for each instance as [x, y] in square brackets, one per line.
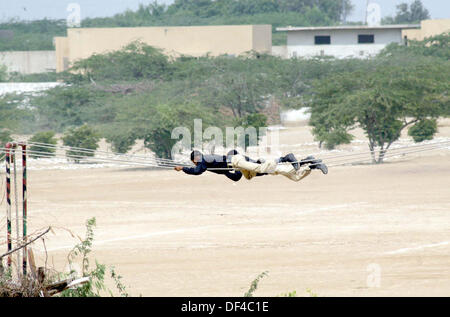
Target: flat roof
[349, 27]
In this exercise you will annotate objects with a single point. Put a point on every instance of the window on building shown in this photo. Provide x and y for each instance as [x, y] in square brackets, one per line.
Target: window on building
[322, 40]
[366, 38]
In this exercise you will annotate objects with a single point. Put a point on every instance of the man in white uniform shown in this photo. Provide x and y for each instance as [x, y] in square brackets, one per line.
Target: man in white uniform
[287, 166]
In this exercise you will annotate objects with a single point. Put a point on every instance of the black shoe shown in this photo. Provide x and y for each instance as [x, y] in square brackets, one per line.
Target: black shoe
[319, 166]
[309, 160]
[291, 159]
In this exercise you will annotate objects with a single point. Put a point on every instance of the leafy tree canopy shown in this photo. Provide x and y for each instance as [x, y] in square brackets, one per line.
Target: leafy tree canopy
[413, 13]
[383, 99]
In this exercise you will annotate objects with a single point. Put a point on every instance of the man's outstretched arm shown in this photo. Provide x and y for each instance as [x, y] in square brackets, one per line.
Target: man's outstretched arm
[199, 169]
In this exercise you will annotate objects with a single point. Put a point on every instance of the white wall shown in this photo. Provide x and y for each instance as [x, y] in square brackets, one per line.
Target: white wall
[280, 51]
[344, 43]
[29, 62]
[19, 88]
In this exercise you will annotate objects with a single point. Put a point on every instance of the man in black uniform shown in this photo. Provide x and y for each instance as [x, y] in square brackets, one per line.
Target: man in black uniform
[214, 163]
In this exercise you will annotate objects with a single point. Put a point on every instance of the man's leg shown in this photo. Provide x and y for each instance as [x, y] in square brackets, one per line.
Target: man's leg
[290, 172]
[239, 161]
[291, 159]
[311, 160]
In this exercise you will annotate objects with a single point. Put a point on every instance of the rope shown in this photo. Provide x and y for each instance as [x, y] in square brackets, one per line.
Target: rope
[338, 157]
[173, 163]
[336, 160]
[102, 159]
[127, 158]
[389, 155]
[84, 150]
[416, 149]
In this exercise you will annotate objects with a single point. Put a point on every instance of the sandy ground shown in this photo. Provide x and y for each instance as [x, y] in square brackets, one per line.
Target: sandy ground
[359, 231]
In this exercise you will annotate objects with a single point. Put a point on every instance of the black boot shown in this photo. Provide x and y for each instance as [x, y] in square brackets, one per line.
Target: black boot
[309, 160]
[319, 166]
[291, 159]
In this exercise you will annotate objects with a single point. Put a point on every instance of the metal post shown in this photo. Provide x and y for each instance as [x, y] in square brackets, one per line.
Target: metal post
[24, 196]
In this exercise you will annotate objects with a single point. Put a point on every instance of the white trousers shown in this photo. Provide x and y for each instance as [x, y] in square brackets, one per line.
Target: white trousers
[249, 169]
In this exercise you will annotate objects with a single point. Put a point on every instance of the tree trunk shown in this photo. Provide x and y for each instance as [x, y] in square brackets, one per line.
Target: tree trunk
[381, 155]
[383, 152]
[372, 152]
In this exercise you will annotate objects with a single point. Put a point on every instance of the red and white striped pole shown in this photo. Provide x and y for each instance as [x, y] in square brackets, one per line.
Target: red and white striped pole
[8, 147]
[24, 206]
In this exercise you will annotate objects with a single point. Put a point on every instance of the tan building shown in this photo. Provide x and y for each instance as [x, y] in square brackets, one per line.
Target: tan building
[428, 28]
[174, 41]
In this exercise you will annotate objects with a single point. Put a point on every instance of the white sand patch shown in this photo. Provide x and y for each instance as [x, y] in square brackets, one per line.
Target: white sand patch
[421, 247]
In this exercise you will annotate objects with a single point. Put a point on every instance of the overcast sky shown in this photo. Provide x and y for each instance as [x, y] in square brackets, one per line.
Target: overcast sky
[57, 9]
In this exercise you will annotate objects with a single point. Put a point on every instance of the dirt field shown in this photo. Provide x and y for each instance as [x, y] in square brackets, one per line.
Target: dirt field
[359, 231]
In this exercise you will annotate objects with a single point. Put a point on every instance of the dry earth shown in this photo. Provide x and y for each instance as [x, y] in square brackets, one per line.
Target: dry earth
[361, 230]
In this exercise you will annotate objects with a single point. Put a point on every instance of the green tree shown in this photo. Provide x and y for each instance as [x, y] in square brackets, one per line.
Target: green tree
[394, 95]
[436, 46]
[12, 113]
[255, 120]
[84, 137]
[158, 136]
[423, 130]
[47, 137]
[30, 35]
[136, 60]
[241, 92]
[121, 140]
[413, 13]
[74, 105]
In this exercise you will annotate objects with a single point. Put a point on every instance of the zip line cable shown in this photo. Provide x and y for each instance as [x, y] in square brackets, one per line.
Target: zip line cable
[338, 157]
[154, 162]
[353, 161]
[84, 150]
[167, 162]
[93, 159]
[329, 158]
[389, 155]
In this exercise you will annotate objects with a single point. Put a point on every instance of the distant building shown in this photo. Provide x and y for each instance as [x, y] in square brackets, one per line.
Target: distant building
[342, 41]
[427, 28]
[28, 62]
[195, 41]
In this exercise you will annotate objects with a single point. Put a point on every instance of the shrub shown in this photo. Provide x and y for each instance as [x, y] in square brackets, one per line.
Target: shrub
[96, 284]
[83, 137]
[121, 141]
[47, 137]
[254, 284]
[5, 137]
[423, 130]
[136, 60]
